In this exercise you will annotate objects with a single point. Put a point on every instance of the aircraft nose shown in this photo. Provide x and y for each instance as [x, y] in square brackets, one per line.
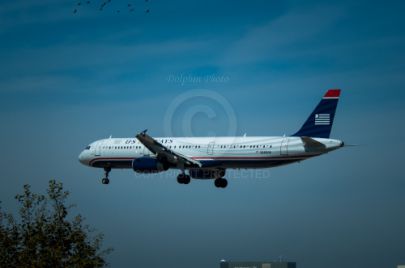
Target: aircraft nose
[82, 158]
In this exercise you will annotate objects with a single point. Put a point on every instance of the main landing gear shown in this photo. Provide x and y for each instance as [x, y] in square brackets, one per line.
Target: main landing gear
[221, 183]
[182, 178]
[106, 180]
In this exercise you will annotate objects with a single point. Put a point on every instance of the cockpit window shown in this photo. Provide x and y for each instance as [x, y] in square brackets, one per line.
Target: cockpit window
[87, 147]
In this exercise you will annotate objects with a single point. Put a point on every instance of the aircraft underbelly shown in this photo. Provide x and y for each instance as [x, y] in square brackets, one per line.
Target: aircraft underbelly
[248, 163]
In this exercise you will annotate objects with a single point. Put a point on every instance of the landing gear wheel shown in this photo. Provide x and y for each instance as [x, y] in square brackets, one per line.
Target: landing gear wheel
[180, 178]
[183, 178]
[224, 183]
[221, 183]
[105, 180]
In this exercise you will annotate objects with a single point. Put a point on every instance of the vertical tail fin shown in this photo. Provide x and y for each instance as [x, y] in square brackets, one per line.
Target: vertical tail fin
[319, 123]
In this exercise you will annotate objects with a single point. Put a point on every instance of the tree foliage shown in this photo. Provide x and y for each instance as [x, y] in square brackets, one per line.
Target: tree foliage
[44, 235]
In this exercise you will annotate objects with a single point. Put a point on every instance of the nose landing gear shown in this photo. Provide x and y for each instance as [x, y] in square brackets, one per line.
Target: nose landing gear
[106, 180]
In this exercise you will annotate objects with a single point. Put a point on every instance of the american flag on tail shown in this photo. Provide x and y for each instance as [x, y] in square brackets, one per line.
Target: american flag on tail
[322, 119]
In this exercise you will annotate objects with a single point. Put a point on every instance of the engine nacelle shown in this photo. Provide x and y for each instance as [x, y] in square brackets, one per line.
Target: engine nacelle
[206, 173]
[148, 165]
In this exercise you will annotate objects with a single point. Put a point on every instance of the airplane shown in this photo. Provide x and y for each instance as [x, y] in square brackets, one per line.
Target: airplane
[210, 157]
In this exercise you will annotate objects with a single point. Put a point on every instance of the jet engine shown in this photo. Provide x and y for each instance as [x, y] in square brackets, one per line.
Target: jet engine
[148, 165]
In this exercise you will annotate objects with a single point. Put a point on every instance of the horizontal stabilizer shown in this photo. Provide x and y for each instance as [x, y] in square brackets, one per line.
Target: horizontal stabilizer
[312, 145]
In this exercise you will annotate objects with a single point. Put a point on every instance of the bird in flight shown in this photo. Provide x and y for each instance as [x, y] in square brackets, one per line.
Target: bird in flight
[102, 5]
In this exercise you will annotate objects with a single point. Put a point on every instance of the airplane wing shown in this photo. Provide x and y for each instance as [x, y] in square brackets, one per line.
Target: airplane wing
[162, 151]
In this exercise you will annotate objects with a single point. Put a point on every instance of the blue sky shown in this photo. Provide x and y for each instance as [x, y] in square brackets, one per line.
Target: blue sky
[67, 80]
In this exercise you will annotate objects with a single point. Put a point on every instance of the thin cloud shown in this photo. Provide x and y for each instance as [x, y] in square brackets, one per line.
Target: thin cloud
[33, 83]
[275, 38]
[65, 57]
[21, 13]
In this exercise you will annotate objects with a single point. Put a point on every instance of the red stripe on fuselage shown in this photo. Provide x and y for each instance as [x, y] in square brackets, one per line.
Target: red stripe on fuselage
[246, 157]
[110, 159]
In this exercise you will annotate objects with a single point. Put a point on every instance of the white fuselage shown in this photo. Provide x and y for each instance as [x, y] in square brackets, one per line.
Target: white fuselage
[212, 152]
[209, 157]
